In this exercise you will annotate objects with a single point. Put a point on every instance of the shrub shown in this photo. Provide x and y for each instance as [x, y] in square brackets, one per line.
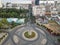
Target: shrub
[1, 24]
[4, 21]
[58, 40]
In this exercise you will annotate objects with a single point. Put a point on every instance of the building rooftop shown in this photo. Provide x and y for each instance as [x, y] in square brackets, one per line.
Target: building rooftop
[52, 25]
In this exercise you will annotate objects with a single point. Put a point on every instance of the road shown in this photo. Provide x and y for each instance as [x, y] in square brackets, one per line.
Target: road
[53, 38]
[42, 34]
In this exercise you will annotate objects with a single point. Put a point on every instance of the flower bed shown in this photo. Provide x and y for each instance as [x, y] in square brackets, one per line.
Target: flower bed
[26, 34]
[30, 35]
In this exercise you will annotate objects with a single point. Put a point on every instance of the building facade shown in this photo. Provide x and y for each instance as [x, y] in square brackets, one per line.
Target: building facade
[0, 4]
[45, 8]
[17, 5]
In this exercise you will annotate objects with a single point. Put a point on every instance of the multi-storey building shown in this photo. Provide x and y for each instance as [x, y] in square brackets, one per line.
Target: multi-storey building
[39, 7]
[0, 4]
[18, 5]
[44, 7]
[38, 10]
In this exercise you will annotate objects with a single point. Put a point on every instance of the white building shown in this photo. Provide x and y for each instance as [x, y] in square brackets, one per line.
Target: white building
[38, 10]
[0, 4]
[43, 7]
[18, 4]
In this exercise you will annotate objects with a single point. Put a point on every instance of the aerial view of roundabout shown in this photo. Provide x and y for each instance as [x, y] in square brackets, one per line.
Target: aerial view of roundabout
[28, 34]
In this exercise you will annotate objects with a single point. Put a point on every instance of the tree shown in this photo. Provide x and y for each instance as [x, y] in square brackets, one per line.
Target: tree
[1, 24]
[4, 21]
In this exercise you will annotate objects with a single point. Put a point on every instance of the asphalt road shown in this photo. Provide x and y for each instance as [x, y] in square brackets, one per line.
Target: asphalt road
[18, 32]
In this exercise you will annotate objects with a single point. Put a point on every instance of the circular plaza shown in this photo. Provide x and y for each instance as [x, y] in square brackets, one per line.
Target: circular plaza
[29, 35]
